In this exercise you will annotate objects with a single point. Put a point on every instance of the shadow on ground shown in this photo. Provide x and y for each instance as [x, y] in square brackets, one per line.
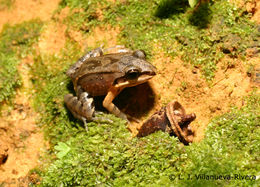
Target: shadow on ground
[168, 8]
[200, 16]
[136, 101]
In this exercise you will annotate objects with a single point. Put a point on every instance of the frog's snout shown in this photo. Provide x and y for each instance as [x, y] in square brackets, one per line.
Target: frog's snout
[153, 71]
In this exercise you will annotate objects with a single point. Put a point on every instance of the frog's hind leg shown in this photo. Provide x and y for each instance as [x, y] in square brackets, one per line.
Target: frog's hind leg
[94, 53]
[84, 98]
[81, 107]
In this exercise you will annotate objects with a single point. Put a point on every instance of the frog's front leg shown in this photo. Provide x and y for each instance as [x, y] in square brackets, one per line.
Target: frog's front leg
[107, 103]
[81, 107]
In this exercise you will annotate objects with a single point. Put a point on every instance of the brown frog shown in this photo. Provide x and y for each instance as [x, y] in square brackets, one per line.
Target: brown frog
[97, 74]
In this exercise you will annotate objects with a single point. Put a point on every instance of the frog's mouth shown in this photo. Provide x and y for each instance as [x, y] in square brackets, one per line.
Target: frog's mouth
[143, 78]
[130, 82]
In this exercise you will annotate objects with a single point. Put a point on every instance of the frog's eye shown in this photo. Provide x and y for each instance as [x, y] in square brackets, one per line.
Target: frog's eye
[132, 74]
[140, 54]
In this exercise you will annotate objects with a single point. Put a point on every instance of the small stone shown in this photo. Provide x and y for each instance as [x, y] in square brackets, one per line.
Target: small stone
[212, 109]
[3, 155]
[252, 52]
[194, 71]
[14, 172]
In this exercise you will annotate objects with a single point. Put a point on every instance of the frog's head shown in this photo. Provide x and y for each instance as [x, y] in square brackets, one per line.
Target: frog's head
[136, 70]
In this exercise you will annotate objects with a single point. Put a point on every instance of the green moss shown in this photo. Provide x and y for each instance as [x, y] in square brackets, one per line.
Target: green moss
[9, 78]
[106, 155]
[15, 42]
[84, 15]
[6, 4]
[20, 38]
[51, 84]
[230, 148]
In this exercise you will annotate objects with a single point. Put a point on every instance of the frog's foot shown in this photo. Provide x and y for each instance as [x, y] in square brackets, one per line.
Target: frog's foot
[84, 98]
[85, 123]
[107, 103]
[81, 107]
[113, 109]
[133, 119]
[102, 119]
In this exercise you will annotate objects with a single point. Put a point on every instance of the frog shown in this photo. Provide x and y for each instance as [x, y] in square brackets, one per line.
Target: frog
[103, 73]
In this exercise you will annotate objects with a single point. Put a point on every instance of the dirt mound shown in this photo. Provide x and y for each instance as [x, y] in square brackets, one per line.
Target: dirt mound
[21, 140]
[25, 10]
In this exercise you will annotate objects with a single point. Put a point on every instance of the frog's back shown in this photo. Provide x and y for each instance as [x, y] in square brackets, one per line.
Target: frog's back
[97, 74]
[102, 64]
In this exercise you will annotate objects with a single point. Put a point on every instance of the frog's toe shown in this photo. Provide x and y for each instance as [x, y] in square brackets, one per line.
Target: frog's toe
[88, 105]
[88, 110]
[131, 118]
[85, 99]
[85, 123]
[103, 119]
[78, 108]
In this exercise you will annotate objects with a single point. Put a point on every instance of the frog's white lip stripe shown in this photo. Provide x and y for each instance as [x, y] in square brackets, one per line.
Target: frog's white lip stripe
[140, 80]
[144, 78]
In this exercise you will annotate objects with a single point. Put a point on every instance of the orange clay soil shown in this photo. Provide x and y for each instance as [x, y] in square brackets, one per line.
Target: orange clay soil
[21, 141]
[24, 10]
[176, 81]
